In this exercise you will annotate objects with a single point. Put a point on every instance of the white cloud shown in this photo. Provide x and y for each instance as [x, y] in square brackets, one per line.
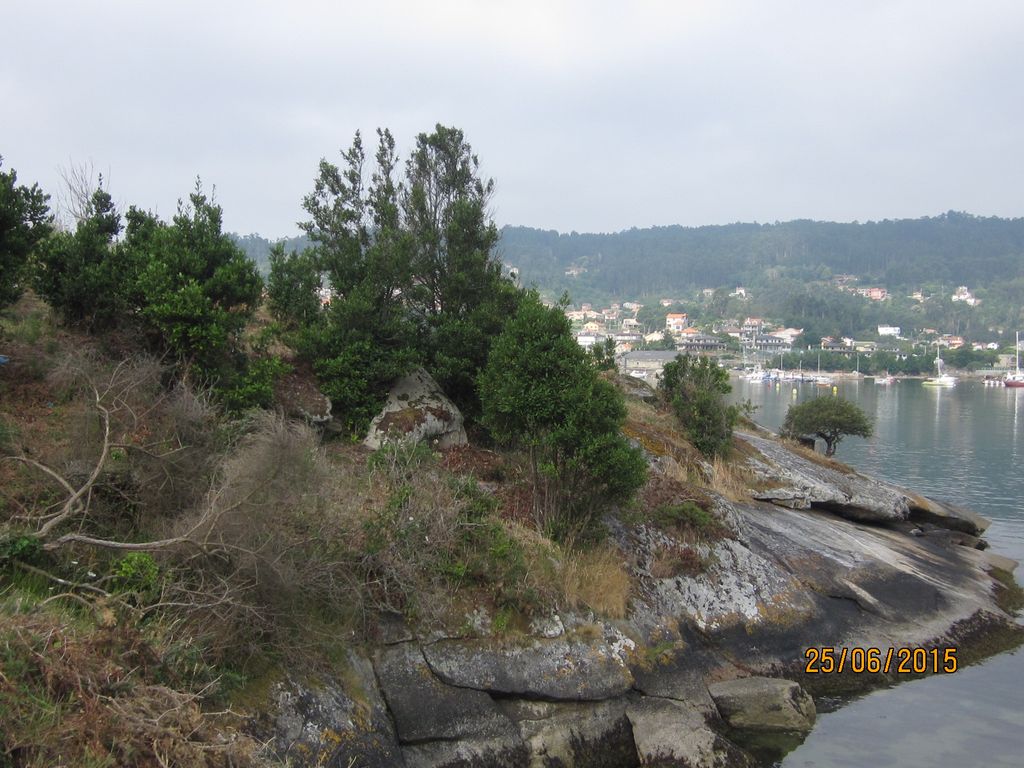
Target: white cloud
[589, 115]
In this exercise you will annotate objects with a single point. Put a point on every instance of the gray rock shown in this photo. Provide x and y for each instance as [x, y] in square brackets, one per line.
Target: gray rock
[764, 704]
[417, 410]
[578, 734]
[559, 669]
[425, 709]
[327, 723]
[945, 515]
[672, 734]
[798, 483]
[495, 752]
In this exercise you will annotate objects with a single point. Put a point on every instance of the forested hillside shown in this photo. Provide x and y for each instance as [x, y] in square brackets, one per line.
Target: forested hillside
[953, 248]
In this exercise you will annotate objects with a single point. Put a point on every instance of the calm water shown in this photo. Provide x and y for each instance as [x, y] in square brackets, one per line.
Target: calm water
[964, 445]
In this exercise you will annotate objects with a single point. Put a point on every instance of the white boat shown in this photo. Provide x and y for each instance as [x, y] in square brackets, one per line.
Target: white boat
[1015, 379]
[886, 380]
[943, 379]
[757, 374]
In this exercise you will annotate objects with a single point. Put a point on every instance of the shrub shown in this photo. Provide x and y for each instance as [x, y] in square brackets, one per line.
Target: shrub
[696, 387]
[540, 391]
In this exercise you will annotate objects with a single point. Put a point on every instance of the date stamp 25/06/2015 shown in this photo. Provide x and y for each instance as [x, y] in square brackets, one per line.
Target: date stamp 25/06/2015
[823, 660]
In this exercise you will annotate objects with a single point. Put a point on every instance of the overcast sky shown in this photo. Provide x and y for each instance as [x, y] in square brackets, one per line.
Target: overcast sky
[589, 116]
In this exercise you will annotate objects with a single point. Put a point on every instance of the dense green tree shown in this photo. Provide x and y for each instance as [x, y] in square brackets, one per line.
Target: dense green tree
[83, 274]
[195, 289]
[830, 418]
[696, 387]
[540, 391]
[24, 221]
[460, 293]
[411, 267]
[603, 355]
[366, 337]
[293, 287]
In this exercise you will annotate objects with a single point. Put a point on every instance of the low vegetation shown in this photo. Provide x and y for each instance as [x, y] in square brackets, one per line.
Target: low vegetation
[169, 536]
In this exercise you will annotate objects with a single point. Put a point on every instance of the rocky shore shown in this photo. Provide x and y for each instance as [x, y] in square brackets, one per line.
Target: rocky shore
[703, 665]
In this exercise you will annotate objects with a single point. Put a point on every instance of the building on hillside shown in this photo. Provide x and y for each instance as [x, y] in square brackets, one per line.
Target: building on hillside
[873, 293]
[789, 334]
[964, 295]
[889, 330]
[699, 343]
[768, 343]
[675, 322]
[739, 293]
[654, 336]
[752, 326]
[593, 327]
[631, 323]
[588, 340]
[834, 345]
[950, 341]
[575, 271]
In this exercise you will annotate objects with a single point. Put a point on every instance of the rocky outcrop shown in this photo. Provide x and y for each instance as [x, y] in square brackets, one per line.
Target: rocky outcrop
[417, 410]
[591, 734]
[325, 722]
[426, 709]
[671, 733]
[791, 480]
[559, 669]
[764, 704]
[826, 558]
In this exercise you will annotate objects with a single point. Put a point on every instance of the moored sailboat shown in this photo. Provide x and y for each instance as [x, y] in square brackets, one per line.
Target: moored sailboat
[1015, 379]
[943, 379]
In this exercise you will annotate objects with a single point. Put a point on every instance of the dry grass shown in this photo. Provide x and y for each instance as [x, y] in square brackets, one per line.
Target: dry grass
[94, 696]
[730, 480]
[668, 562]
[817, 458]
[598, 580]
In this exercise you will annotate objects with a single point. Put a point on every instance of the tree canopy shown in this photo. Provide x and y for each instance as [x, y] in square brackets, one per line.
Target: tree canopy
[24, 221]
[540, 390]
[409, 261]
[830, 418]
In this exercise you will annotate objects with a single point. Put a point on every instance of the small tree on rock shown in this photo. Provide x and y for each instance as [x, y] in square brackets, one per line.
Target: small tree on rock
[540, 391]
[830, 418]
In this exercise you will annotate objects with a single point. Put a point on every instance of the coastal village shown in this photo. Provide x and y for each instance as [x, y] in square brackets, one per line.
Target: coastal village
[642, 346]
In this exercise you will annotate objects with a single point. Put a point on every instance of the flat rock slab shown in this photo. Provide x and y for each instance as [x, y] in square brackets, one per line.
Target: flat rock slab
[574, 734]
[800, 483]
[559, 669]
[946, 515]
[764, 704]
[495, 752]
[671, 734]
[425, 709]
[328, 723]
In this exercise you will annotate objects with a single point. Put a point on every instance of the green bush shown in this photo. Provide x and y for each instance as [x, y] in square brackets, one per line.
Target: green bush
[138, 573]
[696, 387]
[541, 392]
